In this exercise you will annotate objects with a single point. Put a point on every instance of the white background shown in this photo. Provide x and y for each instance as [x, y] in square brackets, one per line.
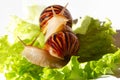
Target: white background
[79, 8]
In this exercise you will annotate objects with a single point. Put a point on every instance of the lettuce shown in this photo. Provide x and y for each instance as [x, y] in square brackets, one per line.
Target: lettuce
[25, 30]
[97, 39]
[97, 55]
[82, 25]
[12, 64]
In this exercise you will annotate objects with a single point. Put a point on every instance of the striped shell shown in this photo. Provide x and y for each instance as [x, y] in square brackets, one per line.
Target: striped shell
[47, 14]
[62, 45]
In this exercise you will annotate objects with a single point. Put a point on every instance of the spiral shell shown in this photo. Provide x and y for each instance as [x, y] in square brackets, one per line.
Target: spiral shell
[62, 45]
[47, 14]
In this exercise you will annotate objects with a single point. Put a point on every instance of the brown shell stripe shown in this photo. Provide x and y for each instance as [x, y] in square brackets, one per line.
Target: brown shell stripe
[73, 43]
[47, 13]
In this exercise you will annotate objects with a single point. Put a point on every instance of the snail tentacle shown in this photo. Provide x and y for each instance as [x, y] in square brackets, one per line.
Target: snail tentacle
[62, 11]
[54, 14]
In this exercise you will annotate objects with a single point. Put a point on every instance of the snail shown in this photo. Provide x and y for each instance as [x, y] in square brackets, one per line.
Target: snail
[60, 42]
[41, 57]
[56, 53]
[56, 15]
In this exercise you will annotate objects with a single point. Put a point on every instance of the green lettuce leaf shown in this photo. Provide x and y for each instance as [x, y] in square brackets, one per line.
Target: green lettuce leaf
[25, 30]
[33, 13]
[12, 64]
[97, 55]
[84, 71]
[97, 41]
[4, 45]
[82, 25]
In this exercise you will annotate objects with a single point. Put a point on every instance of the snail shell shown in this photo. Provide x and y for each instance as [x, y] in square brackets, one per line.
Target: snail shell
[56, 14]
[62, 45]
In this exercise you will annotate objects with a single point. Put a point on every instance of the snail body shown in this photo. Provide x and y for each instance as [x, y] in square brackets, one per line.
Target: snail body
[41, 57]
[60, 42]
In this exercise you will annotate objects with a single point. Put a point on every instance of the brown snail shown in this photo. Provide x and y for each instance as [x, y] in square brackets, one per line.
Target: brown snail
[60, 43]
[56, 15]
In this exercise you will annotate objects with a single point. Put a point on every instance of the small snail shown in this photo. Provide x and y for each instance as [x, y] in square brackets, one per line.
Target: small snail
[60, 42]
[54, 18]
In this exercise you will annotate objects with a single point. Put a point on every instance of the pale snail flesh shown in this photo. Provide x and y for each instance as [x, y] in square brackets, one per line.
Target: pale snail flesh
[42, 57]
